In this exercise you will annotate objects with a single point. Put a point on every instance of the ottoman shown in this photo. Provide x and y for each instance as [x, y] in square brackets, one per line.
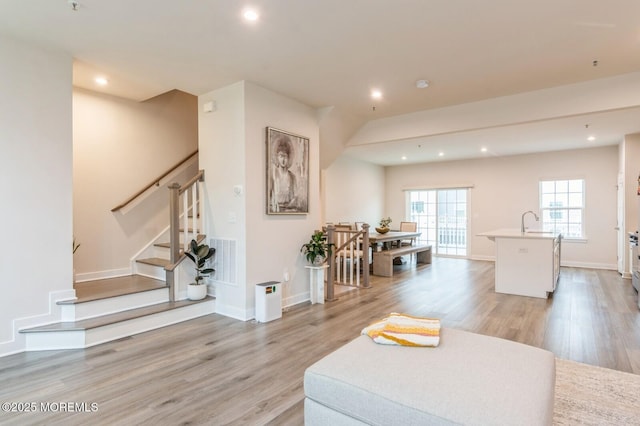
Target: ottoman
[468, 379]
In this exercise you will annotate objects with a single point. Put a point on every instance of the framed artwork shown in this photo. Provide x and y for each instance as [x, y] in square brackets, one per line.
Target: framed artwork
[287, 173]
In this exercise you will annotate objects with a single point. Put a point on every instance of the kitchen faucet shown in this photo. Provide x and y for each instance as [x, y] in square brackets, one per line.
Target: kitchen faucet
[522, 221]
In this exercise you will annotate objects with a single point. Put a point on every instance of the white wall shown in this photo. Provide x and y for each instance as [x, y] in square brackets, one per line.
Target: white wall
[274, 240]
[232, 153]
[222, 151]
[119, 147]
[354, 191]
[506, 187]
[36, 167]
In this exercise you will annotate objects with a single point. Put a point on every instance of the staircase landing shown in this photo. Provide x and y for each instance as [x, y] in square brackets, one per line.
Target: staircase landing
[111, 309]
[105, 320]
[111, 287]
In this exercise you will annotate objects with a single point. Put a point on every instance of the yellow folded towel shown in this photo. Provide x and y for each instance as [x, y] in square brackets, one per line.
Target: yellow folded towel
[405, 330]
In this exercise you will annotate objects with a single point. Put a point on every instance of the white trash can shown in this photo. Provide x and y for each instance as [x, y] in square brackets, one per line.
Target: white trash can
[268, 301]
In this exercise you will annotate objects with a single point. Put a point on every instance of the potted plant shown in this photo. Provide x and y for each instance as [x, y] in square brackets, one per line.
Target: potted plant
[199, 254]
[317, 249]
[384, 225]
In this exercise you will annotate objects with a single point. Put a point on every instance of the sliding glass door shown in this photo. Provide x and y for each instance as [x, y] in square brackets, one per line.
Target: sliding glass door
[442, 218]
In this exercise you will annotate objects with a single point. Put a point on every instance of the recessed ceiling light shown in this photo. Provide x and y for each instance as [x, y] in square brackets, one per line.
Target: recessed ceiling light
[483, 149]
[250, 15]
[102, 81]
[404, 157]
[591, 138]
[376, 94]
[441, 154]
[422, 84]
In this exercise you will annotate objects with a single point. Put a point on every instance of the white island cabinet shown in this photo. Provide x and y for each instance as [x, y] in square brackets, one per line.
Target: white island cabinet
[527, 264]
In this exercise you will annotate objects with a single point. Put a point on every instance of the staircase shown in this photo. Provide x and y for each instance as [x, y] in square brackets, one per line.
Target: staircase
[110, 309]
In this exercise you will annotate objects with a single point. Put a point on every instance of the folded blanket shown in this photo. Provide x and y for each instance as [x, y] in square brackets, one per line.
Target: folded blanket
[405, 330]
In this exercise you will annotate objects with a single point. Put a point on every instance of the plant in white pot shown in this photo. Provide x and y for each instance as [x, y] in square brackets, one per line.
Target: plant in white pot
[317, 249]
[199, 254]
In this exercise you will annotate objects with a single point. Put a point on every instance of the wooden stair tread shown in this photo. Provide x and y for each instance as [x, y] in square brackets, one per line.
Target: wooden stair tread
[91, 323]
[88, 291]
[155, 261]
[199, 239]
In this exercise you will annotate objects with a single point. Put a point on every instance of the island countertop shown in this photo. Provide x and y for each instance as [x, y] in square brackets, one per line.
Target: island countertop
[527, 263]
[515, 233]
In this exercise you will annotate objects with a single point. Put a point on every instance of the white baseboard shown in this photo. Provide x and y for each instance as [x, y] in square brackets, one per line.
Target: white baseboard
[589, 265]
[101, 275]
[18, 343]
[296, 299]
[484, 258]
[235, 313]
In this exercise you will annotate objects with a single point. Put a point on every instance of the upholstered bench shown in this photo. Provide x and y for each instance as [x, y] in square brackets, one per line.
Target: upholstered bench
[468, 379]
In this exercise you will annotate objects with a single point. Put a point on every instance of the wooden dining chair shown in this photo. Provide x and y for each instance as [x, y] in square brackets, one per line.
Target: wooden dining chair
[408, 227]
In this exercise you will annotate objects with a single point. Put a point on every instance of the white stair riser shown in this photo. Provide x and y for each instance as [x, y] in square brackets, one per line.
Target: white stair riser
[161, 252]
[149, 322]
[150, 271]
[73, 339]
[52, 340]
[112, 305]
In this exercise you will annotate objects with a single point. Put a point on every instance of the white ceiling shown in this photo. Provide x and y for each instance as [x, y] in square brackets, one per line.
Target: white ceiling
[333, 52]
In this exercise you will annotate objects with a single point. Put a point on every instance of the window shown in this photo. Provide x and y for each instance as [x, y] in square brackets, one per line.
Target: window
[562, 207]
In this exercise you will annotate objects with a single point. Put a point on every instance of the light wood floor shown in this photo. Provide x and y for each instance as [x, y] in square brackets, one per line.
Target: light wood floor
[215, 370]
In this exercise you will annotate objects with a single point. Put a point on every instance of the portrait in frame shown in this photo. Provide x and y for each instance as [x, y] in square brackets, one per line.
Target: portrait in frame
[287, 172]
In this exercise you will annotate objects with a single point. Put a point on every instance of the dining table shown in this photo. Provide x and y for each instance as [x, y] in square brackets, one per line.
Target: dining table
[387, 238]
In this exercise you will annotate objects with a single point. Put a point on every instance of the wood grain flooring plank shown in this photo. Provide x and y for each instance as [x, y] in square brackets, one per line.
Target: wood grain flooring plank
[216, 370]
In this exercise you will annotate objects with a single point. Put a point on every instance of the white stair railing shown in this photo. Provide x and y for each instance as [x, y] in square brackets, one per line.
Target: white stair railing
[350, 258]
[190, 197]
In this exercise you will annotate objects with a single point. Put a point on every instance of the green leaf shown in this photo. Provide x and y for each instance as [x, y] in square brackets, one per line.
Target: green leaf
[212, 251]
[203, 250]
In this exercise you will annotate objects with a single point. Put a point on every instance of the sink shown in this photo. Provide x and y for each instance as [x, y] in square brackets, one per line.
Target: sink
[536, 232]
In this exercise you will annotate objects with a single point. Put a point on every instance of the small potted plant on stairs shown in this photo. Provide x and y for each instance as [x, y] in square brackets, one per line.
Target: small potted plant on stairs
[199, 254]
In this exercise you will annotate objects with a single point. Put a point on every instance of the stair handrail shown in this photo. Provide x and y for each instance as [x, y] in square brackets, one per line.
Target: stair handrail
[155, 182]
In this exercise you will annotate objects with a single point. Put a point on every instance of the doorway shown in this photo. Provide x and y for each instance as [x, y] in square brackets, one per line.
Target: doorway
[441, 215]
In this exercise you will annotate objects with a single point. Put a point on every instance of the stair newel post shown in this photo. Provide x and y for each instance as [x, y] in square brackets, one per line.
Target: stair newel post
[365, 254]
[174, 235]
[331, 260]
[200, 204]
[174, 221]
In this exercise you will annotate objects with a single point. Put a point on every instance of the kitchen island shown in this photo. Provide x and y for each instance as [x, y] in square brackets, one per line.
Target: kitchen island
[527, 263]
